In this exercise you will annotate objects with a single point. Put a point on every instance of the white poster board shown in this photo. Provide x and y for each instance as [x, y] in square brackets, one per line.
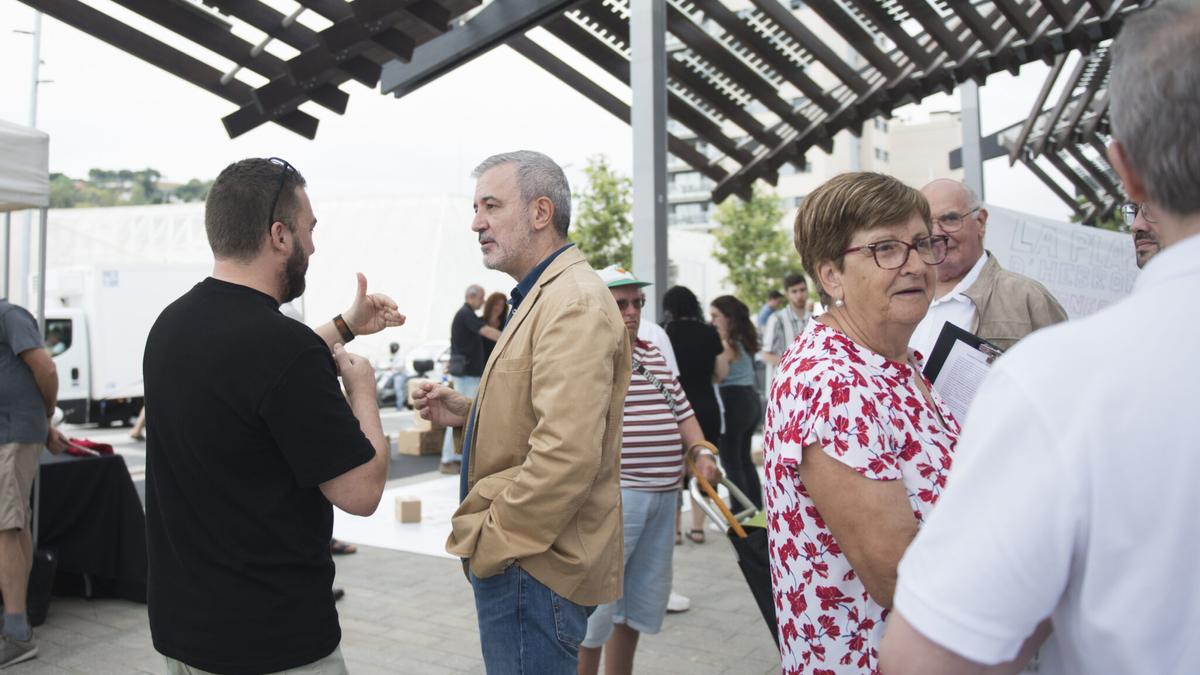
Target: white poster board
[1086, 268]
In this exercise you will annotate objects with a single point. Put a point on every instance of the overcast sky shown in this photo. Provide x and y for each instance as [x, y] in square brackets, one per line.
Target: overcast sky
[107, 109]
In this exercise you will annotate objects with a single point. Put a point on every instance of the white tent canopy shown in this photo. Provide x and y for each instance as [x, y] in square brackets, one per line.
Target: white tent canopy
[24, 168]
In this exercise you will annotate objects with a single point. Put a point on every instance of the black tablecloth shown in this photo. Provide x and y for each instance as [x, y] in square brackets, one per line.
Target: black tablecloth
[91, 515]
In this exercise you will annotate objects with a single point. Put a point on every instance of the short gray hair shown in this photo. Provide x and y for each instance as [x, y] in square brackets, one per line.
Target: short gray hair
[1155, 101]
[537, 176]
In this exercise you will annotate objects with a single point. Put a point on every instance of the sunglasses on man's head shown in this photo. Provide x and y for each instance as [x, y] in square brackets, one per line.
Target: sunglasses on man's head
[287, 168]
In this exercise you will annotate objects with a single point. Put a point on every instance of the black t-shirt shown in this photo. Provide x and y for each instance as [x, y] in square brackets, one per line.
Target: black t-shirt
[248, 421]
[696, 345]
[466, 341]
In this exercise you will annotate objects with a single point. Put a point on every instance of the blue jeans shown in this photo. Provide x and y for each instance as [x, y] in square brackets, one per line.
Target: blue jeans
[467, 386]
[525, 628]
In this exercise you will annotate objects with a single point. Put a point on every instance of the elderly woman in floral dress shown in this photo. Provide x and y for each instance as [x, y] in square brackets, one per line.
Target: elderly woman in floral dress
[857, 444]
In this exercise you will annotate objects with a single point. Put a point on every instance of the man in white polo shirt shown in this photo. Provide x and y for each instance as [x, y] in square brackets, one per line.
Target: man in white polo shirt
[973, 291]
[1071, 510]
[659, 426]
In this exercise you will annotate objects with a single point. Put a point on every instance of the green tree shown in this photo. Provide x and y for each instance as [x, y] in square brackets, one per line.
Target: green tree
[194, 190]
[752, 246]
[62, 192]
[603, 228]
[1114, 221]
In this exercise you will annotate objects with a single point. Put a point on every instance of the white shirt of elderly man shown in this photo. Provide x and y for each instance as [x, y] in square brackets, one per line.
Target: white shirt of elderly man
[1070, 515]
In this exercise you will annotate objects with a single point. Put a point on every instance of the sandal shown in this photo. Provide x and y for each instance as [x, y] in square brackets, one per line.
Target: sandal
[341, 548]
[696, 536]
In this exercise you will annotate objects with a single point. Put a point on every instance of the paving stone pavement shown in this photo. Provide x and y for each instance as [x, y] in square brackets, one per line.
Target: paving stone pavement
[411, 613]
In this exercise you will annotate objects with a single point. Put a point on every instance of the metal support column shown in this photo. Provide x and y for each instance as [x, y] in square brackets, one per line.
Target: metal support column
[972, 145]
[41, 319]
[648, 85]
[34, 81]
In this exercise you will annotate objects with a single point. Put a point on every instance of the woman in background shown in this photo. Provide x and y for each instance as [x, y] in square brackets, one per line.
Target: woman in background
[495, 308]
[739, 339]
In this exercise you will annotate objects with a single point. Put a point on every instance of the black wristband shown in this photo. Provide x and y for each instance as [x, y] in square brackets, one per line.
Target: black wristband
[340, 324]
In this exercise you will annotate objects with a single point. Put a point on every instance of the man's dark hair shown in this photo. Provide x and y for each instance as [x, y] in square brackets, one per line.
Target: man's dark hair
[237, 211]
[774, 295]
[793, 279]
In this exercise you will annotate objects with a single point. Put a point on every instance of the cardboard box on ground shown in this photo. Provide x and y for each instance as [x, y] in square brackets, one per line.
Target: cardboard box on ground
[419, 442]
[424, 438]
[408, 509]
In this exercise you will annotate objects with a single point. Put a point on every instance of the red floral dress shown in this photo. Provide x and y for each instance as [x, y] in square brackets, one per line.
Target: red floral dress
[865, 411]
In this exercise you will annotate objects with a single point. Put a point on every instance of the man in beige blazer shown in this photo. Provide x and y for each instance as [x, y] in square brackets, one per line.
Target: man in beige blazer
[539, 527]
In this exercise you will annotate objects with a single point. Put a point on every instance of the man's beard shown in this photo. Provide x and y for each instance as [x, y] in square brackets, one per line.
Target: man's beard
[293, 274]
[502, 259]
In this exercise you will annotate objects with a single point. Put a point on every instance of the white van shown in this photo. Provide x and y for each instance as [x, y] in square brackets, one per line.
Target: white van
[97, 320]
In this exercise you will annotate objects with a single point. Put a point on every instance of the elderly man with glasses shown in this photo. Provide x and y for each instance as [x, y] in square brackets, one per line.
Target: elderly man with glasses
[1141, 222]
[973, 292]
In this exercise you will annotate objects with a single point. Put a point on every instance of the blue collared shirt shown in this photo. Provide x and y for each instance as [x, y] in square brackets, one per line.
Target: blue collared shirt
[518, 294]
[522, 289]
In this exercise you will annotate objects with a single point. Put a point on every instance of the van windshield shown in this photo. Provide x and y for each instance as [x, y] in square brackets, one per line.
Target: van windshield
[58, 336]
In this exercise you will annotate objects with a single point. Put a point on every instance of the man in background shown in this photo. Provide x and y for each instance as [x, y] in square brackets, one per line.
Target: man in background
[28, 394]
[1141, 223]
[467, 332]
[774, 302]
[786, 324]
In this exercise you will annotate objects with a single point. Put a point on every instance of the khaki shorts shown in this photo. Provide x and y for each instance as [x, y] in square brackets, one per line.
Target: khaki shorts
[330, 665]
[18, 466]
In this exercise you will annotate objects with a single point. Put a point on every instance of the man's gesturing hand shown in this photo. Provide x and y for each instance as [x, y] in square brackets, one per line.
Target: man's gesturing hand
[440, 404]
[371, 313]
[357, 374]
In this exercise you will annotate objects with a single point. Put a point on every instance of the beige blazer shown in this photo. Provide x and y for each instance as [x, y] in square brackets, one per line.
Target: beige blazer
[544, 468]
[1009, 306]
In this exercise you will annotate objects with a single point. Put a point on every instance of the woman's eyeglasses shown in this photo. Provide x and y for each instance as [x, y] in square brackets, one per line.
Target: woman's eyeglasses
[287, 168]
[892, 254]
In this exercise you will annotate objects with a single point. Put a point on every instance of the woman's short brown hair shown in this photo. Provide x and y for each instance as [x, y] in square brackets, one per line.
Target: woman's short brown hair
[845, 204]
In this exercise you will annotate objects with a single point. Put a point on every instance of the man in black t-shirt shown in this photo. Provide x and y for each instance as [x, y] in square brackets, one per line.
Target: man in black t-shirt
[253, 440]
[467, 333]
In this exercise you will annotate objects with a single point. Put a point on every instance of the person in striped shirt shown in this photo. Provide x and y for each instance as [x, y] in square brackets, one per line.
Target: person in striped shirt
[659, 425]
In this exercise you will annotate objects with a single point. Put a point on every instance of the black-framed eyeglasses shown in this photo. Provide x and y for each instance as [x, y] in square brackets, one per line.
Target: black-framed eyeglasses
[1130, 211]
[892, 254]
[287, 168]
[951, 222]
[624, 302]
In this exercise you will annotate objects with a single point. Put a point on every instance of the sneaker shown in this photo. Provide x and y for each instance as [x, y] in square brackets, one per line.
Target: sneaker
[450, 468]
[677, 603]
[15, 651]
